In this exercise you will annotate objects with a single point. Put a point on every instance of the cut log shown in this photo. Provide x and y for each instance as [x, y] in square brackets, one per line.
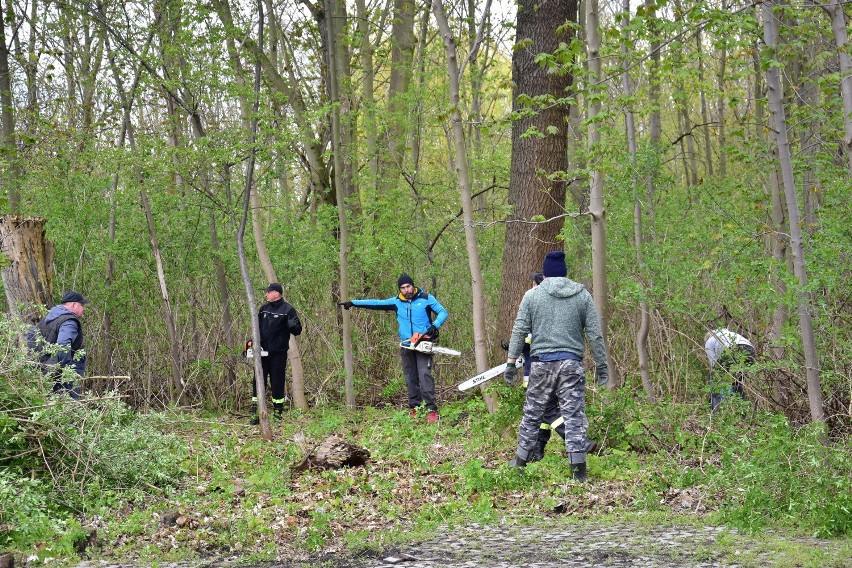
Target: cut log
[335, 453]
[28, 277]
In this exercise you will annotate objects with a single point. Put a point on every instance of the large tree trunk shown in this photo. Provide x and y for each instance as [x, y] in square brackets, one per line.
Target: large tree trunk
[597, 209]
[775, 94]
[28, 278]
[531, 193]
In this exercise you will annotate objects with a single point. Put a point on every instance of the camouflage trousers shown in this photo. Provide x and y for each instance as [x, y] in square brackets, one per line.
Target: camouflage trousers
[551, 383]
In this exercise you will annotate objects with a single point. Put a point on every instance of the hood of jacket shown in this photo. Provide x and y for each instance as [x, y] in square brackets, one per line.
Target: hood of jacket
[56, 311]
[560, 287]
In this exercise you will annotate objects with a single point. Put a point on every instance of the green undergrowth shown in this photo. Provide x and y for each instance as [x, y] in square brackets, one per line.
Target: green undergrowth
[234, 494]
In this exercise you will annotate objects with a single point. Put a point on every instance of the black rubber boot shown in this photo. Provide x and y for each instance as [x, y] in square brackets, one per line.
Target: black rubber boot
[518, 462]
[255, 419]
[278, 410]
[578, 471]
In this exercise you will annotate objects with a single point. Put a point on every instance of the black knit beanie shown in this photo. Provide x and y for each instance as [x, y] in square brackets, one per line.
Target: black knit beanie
[404, 279]
[554, 264]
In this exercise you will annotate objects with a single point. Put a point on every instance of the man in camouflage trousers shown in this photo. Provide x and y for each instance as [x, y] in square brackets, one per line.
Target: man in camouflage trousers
[559, 313]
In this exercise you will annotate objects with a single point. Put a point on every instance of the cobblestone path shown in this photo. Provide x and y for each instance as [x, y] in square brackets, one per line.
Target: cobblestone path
[564, 545]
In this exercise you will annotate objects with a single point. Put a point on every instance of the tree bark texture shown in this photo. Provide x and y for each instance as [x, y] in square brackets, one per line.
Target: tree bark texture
[28, 278]
[531, 193]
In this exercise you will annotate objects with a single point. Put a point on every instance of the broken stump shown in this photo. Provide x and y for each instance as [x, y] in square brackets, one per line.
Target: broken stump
[335, 453]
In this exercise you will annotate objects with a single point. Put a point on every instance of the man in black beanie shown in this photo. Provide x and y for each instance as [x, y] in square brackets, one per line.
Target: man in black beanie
[278, 321]
[419, 312]
[559, 313]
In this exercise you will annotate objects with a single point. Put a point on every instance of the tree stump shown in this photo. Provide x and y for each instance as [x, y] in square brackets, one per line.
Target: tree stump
[28, 277]
[335, 453]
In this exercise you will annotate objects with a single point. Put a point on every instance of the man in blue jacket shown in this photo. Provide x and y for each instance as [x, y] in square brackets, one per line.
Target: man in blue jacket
[416, 312]
[61, 328]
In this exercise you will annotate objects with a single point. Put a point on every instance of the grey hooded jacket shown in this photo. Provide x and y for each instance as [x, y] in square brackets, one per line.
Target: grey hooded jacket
[558, 312]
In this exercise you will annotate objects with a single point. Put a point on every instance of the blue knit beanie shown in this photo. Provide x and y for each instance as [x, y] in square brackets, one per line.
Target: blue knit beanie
[554, 264]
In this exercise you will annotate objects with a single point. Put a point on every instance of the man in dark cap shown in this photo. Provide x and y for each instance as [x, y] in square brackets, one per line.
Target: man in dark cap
[416, 312]
[61, 328]
[559, 313]
[278, 321]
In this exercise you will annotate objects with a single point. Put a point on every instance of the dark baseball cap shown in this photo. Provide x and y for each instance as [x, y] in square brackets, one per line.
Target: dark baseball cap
[274, 287]
[72, 296]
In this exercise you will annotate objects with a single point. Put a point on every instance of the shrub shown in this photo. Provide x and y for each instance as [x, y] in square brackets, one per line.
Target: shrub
[59, 456]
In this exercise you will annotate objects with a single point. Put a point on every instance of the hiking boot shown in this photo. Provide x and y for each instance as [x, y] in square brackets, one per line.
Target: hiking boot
[578, 471]
[412, 413]
[433, 417]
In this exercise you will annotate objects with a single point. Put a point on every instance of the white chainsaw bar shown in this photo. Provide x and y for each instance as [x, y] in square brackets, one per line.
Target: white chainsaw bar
[429, 347]
[488, 375]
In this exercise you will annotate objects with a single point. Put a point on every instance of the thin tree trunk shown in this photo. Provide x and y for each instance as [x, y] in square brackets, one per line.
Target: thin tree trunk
[834, 9]
[168, 312]
[720, 102]
[368, 99]
[705, 127]
[644, 317]
[294, 356]
[8, 142]
[773, 80]
[597, 210]
[348, 360]
[260, 384]
[777, 240]
[655, 124]
[478, 292]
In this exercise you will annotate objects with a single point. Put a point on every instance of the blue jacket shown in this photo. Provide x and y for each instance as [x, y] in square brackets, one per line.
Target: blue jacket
[414, 316]
[69, 335]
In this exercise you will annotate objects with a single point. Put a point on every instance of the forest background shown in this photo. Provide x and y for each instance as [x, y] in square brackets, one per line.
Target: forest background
[693, 159]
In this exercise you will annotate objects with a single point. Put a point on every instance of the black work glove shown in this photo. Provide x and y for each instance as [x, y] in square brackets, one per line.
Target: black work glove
[510, 375]
[346, 305]
[431, 331]
[601, 375]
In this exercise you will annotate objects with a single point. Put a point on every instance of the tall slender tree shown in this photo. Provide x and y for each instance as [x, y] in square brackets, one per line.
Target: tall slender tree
[776, 102]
